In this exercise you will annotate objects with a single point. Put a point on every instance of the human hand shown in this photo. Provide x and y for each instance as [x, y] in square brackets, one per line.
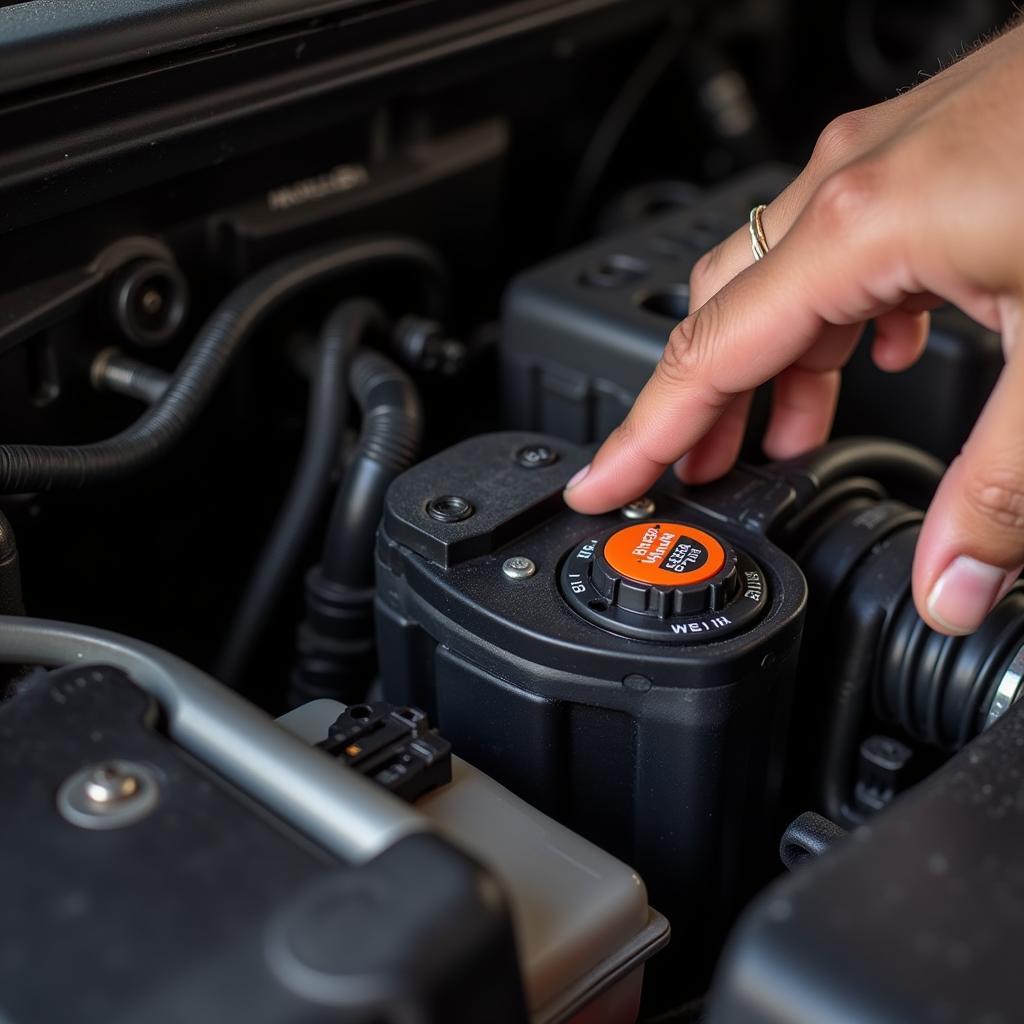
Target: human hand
[903, 206]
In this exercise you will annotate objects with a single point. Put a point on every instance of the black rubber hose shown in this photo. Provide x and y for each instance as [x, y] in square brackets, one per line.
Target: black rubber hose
[43, 467]
[905, 471]
[940, 689]
[327, 415]
[11, 600]
[389, 441]
[808, 836]
[335, 649]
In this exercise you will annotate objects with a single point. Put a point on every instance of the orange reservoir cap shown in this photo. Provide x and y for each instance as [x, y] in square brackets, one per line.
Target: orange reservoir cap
[664, 554]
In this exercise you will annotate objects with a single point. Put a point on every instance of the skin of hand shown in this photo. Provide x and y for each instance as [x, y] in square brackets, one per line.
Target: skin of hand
[902, 206]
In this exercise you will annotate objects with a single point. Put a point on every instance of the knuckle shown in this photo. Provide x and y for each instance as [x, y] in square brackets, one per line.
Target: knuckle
[846, 199]
[996, 495]
[839, 139]
[684, 355]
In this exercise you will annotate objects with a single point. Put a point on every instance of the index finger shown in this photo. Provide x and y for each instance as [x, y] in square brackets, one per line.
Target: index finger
[763, 321]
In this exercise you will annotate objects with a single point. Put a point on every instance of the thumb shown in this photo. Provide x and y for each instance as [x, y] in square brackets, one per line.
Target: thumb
[971, 547]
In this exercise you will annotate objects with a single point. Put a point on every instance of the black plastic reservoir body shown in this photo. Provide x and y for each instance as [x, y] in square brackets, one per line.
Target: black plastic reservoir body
[648, 713]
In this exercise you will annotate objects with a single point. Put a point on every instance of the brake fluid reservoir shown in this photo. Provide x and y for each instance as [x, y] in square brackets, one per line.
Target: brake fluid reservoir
[630, 678]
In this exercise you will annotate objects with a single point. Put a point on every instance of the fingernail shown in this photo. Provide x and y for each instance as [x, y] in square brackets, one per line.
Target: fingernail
[577, 477]
[964, 594]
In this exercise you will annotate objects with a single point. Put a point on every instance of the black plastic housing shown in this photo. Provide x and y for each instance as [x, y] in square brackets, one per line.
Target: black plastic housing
[667, 755]
[914, 918]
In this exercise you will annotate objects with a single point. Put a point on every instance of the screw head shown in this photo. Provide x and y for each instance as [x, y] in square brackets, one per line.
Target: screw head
[111, 794]
[109, 783]
[519, 567]
[536, 456]
[449, 508]
[640, 508]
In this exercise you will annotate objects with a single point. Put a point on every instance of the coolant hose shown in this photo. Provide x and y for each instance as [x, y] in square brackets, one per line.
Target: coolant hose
[389, 441]
[25, 467]
[907, 472]
[342, 333]
[335, 649]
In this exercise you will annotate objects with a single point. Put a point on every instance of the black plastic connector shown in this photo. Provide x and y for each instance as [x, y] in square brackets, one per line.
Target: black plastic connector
[394, 746]
[423, 345]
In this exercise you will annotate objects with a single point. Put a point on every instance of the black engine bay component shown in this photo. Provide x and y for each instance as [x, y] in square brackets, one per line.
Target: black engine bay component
[902, 920]
[598, 729]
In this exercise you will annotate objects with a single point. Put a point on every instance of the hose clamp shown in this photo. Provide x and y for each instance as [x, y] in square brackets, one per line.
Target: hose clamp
[1008, 690]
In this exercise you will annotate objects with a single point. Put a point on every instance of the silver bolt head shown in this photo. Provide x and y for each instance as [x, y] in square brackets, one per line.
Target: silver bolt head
[108, 784]
[641, 508]
[111, 794]
[519, 567]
